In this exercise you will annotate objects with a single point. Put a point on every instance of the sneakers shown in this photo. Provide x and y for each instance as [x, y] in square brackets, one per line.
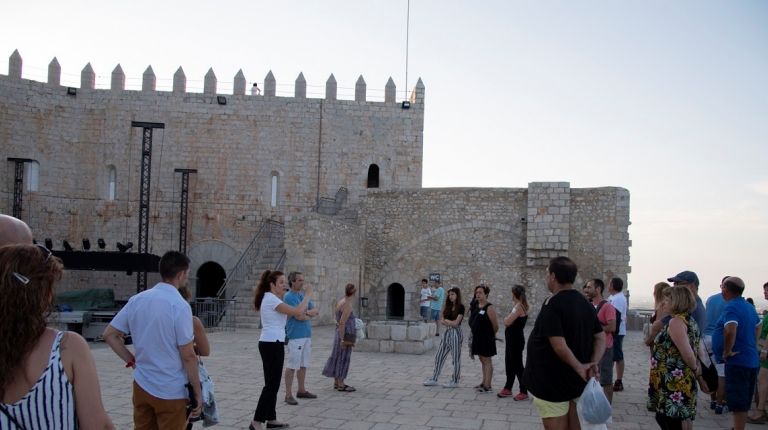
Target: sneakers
[618, 386]
[451, 384]
[721, 409]
[291, 401]
[520, 397]
[430, 383]
[504, 393]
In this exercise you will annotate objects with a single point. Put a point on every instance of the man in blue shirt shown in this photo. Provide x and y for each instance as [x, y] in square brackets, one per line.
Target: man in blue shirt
[691, 280]
[298, 335]
[438, 299]
[715, 304]
[735, 340]
[164, 359]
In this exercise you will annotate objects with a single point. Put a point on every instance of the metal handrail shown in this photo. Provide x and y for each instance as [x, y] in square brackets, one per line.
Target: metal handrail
[249, 255]
[281, 261]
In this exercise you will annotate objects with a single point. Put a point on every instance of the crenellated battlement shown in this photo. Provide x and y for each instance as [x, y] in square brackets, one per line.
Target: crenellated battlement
[210, 83]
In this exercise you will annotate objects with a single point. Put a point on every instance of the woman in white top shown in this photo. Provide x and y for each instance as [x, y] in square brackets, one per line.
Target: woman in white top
[47, 377]
[274, 314]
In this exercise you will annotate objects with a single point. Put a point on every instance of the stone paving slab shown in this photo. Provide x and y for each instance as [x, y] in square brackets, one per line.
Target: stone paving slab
[389, 391]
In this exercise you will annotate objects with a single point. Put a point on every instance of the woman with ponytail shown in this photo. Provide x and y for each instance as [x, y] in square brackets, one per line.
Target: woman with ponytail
[274, 314]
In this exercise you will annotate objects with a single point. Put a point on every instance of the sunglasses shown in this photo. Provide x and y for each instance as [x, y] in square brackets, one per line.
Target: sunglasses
[25, 280]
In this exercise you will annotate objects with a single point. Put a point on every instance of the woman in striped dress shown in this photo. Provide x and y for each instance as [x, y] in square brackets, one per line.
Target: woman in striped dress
[453, 314]
[48, 378]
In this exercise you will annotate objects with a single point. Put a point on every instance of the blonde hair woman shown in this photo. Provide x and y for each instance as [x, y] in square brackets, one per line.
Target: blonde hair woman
[674, 366]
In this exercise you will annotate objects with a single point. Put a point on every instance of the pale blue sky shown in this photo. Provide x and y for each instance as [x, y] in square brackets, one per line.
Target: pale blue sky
[666, 99]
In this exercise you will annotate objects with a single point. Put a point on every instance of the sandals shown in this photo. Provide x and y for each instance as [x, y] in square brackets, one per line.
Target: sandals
[759, 420]
[344, 388]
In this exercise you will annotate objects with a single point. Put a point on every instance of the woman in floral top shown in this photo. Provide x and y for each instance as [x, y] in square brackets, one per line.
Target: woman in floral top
[674, 366]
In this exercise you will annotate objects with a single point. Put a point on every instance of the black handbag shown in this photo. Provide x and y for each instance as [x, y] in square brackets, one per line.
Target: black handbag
[350, 337]
[709, 375]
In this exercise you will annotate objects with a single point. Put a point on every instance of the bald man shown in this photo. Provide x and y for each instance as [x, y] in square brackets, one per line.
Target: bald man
[14, 231]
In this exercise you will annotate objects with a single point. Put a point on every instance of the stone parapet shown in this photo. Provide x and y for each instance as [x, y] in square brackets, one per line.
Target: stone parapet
[406, 337]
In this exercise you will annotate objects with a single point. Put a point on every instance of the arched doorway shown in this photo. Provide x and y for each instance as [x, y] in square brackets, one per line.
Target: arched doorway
[395, 301]
[210, 277]
[373, 176]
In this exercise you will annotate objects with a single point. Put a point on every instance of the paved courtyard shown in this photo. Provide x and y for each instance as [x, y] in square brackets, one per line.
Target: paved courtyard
[389, 392]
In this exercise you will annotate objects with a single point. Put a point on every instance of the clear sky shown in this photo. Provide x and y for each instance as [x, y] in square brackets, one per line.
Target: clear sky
[666, 99]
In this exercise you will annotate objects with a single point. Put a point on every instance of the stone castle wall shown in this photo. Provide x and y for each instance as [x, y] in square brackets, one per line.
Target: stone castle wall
[329, 254]
[499, 237]
[314, 146]
[396, 234]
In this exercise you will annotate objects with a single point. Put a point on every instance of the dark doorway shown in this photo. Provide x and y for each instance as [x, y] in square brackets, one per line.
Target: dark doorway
[396, 301]
[373, 176]
[210, 277]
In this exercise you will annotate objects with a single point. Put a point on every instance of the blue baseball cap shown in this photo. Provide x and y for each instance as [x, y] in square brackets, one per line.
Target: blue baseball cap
[686, 276]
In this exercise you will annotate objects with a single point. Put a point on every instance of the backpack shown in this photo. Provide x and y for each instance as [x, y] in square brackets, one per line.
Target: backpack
[618, 316]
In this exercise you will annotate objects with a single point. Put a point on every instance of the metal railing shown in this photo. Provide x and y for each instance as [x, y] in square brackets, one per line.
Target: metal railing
[332, 206]
[216, 314]
[219, 312]
[259, 244]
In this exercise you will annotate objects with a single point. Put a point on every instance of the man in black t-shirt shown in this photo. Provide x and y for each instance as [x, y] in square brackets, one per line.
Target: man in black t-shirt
[564, 347]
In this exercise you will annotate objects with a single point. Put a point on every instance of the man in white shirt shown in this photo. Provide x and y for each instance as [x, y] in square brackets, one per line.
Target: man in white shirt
[160, 324]
[619, 301]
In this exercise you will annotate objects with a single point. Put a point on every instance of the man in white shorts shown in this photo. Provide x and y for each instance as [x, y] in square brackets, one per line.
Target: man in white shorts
[298, 335]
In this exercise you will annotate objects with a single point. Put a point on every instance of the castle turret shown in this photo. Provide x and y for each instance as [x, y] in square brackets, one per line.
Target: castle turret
[360, 88]
[330, 88]
[148, 80]
[118, 79]
[88, 77]
[54, 72]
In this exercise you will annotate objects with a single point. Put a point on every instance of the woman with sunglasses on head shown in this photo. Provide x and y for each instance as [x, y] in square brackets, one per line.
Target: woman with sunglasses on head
[48, 378]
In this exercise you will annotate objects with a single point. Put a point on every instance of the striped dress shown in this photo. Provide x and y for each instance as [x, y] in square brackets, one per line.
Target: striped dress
[50, 404]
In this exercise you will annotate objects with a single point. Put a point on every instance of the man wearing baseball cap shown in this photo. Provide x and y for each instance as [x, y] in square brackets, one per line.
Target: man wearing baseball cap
[690, 280]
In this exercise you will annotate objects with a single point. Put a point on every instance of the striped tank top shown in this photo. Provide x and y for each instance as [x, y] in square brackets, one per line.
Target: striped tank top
[50, 404]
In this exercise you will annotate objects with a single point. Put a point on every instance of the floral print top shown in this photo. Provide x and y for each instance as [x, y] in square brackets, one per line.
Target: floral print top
[672, 387]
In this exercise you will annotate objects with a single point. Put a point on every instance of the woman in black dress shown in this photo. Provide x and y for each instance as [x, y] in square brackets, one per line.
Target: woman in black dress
[515, 343]
[484, 328]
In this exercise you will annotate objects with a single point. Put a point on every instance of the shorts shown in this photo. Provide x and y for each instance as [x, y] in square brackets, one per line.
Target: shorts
[618, 352]
[299, 353]
[606, 368]
[739, 386]
[551, 409]
[435, 314]
[425, 312]
[719, 365]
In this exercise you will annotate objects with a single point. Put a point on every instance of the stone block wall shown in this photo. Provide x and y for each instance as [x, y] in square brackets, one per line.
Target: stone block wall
[466, 235]
[499, 237]
[329, 254]
[314, 146]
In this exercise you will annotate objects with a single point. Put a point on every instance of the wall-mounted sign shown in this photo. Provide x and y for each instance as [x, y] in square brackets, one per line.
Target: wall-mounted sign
[434, 277]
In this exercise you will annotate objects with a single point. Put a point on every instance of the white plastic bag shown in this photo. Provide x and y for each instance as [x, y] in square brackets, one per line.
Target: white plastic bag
[593, 407]
[359, 328]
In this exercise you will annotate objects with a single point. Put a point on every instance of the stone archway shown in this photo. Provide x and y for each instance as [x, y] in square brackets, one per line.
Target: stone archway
[210, 251]
[210, 277]
[395, 301]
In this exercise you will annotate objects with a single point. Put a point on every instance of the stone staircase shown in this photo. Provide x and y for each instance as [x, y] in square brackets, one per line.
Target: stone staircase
[271, 257]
